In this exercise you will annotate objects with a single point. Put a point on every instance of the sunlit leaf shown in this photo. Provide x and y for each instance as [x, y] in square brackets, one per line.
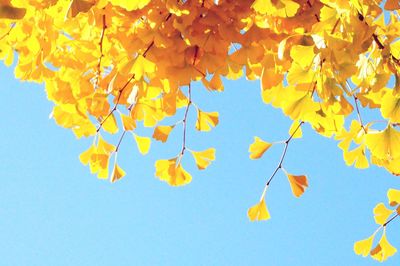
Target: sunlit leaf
[258, 148]
[298, 184]
[363, 247]
[204, 158]
[143, 144]
[258, 212]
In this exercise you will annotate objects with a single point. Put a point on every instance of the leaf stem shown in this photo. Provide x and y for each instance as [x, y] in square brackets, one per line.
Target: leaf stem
[184, 123]
[279, 166]
[103, 31]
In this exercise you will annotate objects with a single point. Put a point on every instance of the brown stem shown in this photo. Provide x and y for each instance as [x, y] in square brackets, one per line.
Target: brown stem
[391, 219]
[120, 141]
[8, 32]
[279, 166]
[358, 113]
[315, 15]
[116, 103]
[101, 49]
[184, 121]
[378, 42]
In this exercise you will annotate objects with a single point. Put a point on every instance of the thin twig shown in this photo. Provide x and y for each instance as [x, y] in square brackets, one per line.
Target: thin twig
[279, 166]
[184, 123]
[103, 31]
[116, 103]
[358, 113]
[8, 32]
[120, 141]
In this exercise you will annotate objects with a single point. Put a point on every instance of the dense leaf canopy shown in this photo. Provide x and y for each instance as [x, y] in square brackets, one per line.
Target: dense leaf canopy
[109, 64]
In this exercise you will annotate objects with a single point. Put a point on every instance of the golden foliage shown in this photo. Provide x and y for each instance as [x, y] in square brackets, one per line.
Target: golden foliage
[323, 63]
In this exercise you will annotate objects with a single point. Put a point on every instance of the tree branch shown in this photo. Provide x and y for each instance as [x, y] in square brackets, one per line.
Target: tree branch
[279, 166]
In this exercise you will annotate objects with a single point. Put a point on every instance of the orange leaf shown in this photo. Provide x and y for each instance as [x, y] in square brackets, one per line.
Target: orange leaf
[298, 183]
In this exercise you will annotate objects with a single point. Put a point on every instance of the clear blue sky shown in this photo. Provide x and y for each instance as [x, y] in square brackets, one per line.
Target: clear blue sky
[53, 212]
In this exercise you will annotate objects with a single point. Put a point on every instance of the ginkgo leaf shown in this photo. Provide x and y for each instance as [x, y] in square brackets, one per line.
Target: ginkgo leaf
[161, 133]
[383, 250]
[130, 4]
[206, 121]
[298, 184]
[86, 156]
[381, 214]
[104, 147]
[117, 173]
[363, 247]
[281, 8]
[142, 66]
[174, 175]
[303, 55]
[258, 212]
[110, 124]
[299, 105]
[78, 6]
[384, 144]
[128, 123]
[393, 196]
[357, 157]
[143, 144]
[300, 75]
[215, 83]
[356, 133]
[258, 148]
[390, 107]
[295, 130]
[204, 158]
[392, 5]
[270, 79]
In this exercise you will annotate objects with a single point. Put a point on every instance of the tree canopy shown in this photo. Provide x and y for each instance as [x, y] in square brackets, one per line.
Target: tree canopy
[109, 64]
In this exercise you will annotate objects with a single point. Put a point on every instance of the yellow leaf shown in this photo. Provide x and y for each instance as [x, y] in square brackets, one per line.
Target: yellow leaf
[270, 79]
[99, 164]
[130, 4]
[104, 147]
[357, 157]
[85, 156]
[168, 171]
[258, 148]
[78, 6]
[205, 121]
[393, 197]
[390, 107]
[280, 8]
[383, 250]
[127, 122]
[161, 133]
[295, 130]
[363, 247]
[355, 133]
[298, 184]
[143, 144]
[300, 75]
[384, 144]
[381, 214]
[203, 158]
[303, 55]
[110, 125]
[141, 66]
[117, 173]
[299, 105]
[258, 212]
